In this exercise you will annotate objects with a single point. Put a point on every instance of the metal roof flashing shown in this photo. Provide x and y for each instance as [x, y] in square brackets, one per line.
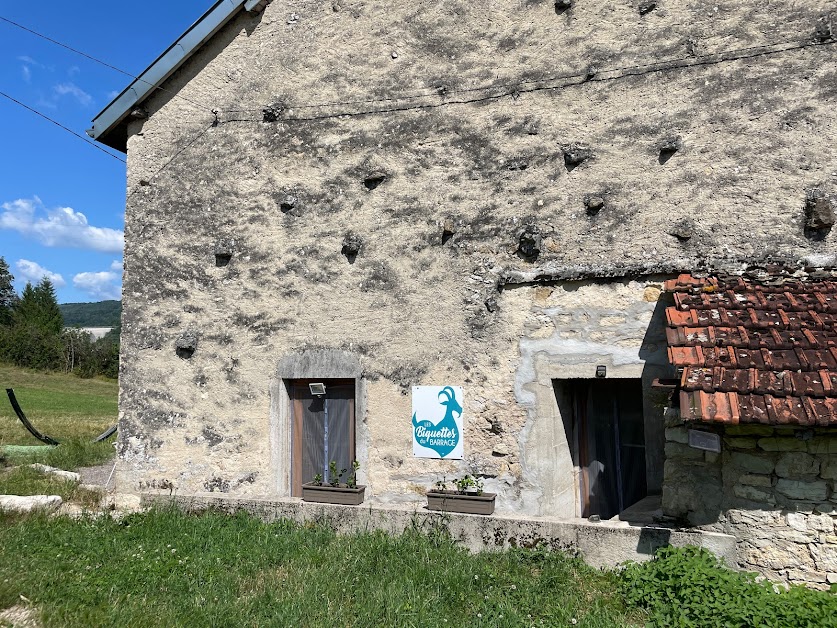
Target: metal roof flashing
[110, 127]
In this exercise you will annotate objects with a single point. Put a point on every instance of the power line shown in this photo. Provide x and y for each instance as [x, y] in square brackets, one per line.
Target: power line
[104, 63]
[621, 72]
[507, 89]
[61, 126]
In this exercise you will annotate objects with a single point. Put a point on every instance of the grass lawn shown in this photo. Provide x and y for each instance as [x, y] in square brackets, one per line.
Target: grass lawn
[68, 408]
[167, 569]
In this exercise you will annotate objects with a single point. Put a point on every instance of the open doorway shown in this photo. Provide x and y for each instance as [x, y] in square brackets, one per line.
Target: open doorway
[322, 430]
[608, 442]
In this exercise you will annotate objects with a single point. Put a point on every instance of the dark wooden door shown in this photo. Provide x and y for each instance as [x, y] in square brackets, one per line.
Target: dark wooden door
[323, 430]
[609, 418]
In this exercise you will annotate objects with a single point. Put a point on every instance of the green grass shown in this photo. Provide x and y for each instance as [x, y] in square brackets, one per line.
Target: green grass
[27, 481]
[163, 568]
[69, 455]
[63, 406]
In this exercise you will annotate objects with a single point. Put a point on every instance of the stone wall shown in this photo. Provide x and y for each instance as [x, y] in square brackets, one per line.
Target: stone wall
[774, 489]
[416, 186]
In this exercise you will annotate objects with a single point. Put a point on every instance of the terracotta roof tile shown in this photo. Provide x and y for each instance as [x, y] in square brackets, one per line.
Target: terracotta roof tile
[755, 352]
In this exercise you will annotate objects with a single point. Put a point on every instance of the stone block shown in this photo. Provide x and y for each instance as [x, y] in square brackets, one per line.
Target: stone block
[711, 457]
[677, 435]
[805, 575]
[753, 463]
[824, 557]
[797, 464]
[821, 523]
[754, 494]
[823, 445]
[32, 503]
[826, 508]
[682, 452]
[797, 521]
[741, 443]
[829, 469]
[749, 430]
[816, 490]
[763, 481]
[783, 444]
[831, 577]
[611, 321]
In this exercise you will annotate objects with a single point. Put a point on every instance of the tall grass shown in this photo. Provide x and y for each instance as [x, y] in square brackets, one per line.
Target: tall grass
[164, 568]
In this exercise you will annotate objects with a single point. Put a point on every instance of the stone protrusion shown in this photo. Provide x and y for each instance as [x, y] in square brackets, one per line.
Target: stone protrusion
[683, 229]
[824, 28]
[352, 244]
[374, 179]
[530, 243]
[491, 304]
[591, 73]
[575, 155]
[186, 344]
[819, 213]
[223, 251]
[646, 7]
[593, 204]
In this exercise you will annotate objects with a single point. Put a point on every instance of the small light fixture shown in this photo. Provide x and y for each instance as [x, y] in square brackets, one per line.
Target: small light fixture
[601, 371]
[317, 389]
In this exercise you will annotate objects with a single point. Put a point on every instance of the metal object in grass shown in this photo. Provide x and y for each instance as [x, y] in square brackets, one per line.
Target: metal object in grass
[43, 437]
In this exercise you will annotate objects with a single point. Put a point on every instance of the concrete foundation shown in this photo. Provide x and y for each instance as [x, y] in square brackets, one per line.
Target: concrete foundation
[604, 544]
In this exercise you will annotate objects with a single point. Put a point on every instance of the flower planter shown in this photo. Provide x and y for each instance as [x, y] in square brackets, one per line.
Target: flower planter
[451, 501]
[327, 494]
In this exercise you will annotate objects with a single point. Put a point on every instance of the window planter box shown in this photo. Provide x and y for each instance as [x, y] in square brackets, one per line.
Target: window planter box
[327, 494]
[451, 501]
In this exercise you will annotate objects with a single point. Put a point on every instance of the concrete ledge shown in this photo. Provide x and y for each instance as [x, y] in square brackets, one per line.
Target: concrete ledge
[604, 544]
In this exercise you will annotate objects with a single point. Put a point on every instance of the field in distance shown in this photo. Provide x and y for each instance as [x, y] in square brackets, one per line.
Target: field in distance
[63, 406]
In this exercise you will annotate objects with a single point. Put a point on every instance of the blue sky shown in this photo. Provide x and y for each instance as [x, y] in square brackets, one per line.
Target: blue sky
[61, 201]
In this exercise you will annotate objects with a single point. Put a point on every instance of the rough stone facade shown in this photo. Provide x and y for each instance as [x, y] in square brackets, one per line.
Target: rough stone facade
[774, 489]
[481, 194]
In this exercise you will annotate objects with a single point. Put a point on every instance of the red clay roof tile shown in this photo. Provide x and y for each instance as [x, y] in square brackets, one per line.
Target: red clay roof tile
[755, 352]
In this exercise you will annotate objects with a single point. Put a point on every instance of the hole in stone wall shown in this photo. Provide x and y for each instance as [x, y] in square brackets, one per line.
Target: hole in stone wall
[352, 244]
[668, 147]
[819, 215]
[186, 345]
[448, 230]
[530, 243]
[562, 6]
[223, 252]
[593, 204]
[374, 180]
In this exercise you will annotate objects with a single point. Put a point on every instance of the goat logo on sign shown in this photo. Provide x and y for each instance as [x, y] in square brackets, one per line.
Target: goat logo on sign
[437, 422]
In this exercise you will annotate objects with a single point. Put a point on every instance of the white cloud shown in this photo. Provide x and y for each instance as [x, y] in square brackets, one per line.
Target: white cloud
[70, 88]
[34, 272]
[27, 73]
[74, 69]
[60, 227]
[103, 286]
[116, 266]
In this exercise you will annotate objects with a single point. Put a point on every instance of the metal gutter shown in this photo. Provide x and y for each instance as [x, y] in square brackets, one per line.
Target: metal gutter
[110, 126]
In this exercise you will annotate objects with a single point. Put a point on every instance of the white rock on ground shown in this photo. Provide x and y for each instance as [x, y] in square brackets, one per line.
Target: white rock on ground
[20, 617]
[16, 503]
[67, 475]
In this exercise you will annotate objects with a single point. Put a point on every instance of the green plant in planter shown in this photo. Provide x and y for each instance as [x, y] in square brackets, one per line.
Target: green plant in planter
[351, 482]
[441, 485]
[318, 480]
[468, 484]
[333, 475]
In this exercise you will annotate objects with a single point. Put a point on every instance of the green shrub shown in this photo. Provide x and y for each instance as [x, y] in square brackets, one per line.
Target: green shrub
[690, 587]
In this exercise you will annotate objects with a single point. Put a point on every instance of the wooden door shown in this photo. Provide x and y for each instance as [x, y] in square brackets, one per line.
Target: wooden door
[323, 430]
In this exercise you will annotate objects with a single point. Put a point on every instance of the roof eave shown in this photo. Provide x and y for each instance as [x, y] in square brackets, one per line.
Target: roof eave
[110, 127]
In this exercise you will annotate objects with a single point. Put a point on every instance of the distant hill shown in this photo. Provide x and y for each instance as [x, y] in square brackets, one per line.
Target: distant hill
[101, 314]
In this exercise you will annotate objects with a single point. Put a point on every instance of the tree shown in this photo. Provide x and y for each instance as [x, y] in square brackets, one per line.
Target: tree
[8, 296]
[38, 307]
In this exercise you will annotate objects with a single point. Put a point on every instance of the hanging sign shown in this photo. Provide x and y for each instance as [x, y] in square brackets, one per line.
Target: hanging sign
[437, 422]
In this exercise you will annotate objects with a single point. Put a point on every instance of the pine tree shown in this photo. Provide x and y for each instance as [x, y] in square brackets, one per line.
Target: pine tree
[8, 296]
[49, 318]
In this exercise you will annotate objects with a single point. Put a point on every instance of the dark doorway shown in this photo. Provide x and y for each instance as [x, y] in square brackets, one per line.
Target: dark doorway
[323, 429]
[609, 434]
